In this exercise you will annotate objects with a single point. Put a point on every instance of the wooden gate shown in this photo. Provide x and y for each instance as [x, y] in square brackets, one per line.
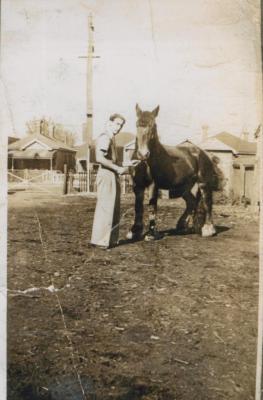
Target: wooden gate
[243, 183]
[249, 184]
[79, 182]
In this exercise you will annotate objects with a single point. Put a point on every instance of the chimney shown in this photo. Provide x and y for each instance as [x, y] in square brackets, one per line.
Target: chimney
[245, 136]
[50, 129]
[204, 132]
[41, 127]
[53, 134]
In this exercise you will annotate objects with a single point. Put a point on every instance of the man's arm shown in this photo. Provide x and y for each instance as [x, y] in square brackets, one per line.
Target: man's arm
[101, 159]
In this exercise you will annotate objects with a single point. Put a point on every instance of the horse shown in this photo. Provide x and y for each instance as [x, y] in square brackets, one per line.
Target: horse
[179, 169]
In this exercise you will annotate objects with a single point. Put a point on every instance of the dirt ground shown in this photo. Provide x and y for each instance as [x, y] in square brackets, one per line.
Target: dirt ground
[173, 319]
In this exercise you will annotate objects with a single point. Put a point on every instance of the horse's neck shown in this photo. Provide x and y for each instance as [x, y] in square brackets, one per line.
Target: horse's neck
[155, 146]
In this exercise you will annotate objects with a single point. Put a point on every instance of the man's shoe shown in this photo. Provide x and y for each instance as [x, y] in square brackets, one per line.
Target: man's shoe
[99, 246]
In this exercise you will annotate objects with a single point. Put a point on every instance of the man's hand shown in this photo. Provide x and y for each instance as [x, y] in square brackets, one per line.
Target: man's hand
[122, 170]
[135, 162]
[131, 163]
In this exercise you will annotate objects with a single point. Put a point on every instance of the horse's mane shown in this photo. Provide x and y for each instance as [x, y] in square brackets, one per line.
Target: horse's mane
[155, 136]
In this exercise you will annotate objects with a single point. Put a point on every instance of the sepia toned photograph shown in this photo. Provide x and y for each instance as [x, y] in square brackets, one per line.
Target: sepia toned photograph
[131, 157]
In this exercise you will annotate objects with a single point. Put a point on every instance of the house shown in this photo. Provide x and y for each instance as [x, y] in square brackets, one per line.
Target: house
[40, 152]
[237, 161]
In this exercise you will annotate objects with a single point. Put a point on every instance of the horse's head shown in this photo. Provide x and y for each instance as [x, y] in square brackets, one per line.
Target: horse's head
[146, 131]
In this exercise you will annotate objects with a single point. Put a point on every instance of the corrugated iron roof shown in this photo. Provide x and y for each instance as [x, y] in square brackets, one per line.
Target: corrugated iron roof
[212, 143]
[123, 138]
[225, 141]
[240, 145]
[32, 154]
[52, 144]
[131, 145]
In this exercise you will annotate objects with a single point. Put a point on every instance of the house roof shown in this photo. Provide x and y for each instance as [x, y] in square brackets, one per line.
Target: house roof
[49, 143]
[212, 143]
[123, 138]
[130, 145]
[225, 141]
[32, 154]
[186, 142]
[240, 145]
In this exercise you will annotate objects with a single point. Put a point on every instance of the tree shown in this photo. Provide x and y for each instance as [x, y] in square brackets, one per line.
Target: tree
[50, 129]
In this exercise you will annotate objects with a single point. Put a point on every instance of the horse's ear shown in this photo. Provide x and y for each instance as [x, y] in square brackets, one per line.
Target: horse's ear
[138, 110]
[155, 111]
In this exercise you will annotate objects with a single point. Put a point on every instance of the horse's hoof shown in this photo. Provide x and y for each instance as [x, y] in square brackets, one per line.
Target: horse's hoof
[134, 236]
[129, 235]
[149, 238]
[208, 230]
[152, 236]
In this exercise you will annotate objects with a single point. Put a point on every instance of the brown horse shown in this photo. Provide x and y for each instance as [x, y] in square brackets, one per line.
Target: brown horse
[179, 169]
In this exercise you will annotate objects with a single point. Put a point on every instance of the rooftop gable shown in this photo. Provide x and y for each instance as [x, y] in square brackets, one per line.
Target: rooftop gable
[123, 138]
[46, 142]
[36, 144]
[131, 145]
[239, 145]
[225, 141]
[214, 144]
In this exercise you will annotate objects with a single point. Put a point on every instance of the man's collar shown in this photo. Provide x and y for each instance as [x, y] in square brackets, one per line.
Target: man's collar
[108, 132]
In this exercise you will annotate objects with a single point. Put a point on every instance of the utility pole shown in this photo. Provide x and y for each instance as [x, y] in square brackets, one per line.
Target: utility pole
[90, 78]
[259, 198]
[89, 94]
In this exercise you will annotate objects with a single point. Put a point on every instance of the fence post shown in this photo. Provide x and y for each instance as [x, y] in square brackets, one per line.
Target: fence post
[65, 185]
[124, 184]
[70, 181]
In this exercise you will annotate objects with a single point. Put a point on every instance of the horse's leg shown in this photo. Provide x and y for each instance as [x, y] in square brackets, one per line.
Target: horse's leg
[208, 228]
[137, 228]
[199, 214]
[152, 233]
[186, 221]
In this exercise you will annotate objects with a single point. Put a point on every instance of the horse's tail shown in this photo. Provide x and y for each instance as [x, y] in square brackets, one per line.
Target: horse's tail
[219, 181]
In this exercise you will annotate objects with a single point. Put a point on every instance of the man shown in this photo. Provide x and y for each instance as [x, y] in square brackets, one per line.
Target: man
[105, 230]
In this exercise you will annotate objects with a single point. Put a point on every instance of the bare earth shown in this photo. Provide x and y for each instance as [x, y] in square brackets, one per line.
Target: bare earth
[174, 319]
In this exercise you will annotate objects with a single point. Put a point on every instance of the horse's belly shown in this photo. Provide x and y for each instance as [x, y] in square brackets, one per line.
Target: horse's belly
[166, 182]
[173, 174]
[177, 185]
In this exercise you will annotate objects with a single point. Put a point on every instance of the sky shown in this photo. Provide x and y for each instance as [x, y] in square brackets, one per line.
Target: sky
[198, 59]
